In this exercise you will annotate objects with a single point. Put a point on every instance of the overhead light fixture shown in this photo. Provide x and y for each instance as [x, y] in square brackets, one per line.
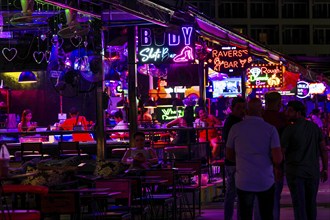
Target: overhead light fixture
[112, 76]
[27, 77]
[150, 104]
[164, 102]
[121, 104]
[177, 102]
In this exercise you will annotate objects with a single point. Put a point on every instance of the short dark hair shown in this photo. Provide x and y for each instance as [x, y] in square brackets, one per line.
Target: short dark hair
[139, 133]
[273, 97]
[298, 106]
[237, 100]
[118, 114]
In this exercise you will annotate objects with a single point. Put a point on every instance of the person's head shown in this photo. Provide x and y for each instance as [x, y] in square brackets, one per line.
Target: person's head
[139, 138]
[295, 110]
[273, 101]
[254, 107]
[189, 115]
[118, 116]
[74, 111]
[26, 115]
[238, 107]
[316, 111]
[202, 113]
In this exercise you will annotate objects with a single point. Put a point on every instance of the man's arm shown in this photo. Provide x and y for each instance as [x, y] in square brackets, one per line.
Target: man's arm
[230, 154]
[277, 157]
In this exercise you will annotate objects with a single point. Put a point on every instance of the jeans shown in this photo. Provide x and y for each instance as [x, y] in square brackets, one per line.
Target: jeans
[230, 192]
[277, 203]
[265, 202]
[303, 193]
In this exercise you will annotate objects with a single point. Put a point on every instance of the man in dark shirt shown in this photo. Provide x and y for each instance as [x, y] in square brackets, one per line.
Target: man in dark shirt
[272, 115]
[303, 144]
[238, 107]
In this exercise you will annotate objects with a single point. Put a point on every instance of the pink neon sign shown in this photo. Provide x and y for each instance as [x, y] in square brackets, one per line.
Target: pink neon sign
[159, 45]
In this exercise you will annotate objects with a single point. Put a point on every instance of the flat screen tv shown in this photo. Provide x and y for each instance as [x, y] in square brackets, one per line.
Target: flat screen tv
[228, 87]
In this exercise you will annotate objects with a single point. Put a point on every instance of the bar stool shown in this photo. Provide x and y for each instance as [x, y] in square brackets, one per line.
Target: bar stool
[176, 152]
[31, 150]
[70, 149]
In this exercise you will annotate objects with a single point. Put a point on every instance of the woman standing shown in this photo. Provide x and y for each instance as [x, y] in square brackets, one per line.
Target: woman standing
[184, 137]
[26, 124]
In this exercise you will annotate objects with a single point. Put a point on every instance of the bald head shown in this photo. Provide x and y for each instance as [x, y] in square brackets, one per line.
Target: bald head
[255, 107]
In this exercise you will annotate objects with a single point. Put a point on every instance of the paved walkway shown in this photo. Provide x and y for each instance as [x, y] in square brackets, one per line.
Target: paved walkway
[214, 211]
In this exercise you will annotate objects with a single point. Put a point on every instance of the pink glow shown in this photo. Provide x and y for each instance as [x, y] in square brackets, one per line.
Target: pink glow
[185, 55]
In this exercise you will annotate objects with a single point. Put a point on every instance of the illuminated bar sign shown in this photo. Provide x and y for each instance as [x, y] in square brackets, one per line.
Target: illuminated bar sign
[265, 76]
[157, 45]
[316, 88]
[302, 89]
[168, 113]
[228, 59]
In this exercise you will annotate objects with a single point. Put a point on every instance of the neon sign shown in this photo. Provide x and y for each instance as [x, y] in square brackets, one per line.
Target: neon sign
[228, 59]
[316, 88]
[265, 76]
[302, 89]
[170, 114]
[156, 45]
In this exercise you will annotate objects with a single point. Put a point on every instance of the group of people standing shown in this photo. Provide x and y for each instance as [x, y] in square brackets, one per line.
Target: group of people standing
[263, 145]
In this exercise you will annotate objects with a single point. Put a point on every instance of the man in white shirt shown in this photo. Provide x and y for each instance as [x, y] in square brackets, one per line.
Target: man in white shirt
[121, 125]
[255, 145]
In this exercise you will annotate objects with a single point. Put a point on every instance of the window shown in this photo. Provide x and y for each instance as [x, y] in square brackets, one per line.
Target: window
[321, 34]
[266, 34]
[204, 6]
[264, 8]
[296, 34]
[321, 9]
[295, 9]
[232, 9]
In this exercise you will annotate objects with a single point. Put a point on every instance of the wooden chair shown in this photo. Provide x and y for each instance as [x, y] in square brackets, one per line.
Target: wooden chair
[25, 201]
[70, 149]
[31, 150]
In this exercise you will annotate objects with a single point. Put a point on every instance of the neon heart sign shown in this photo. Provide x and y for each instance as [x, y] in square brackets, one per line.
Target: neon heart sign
[9, 53]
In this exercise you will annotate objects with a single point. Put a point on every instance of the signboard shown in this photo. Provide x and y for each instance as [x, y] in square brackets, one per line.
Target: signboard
[161, 45]
[168, 113]
[265, 76]
[316, 88]
[302, 89]
[228, 59]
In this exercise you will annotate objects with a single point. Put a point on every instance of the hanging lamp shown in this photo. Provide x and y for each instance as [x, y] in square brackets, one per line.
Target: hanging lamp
[27, 77]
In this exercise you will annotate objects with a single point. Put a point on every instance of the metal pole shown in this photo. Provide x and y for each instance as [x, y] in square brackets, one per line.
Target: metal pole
[201, 75]
[100, 137]
[243, 84]
[132, 84]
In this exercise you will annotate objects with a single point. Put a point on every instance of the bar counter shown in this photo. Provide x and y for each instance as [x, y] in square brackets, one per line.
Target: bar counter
[154, 136]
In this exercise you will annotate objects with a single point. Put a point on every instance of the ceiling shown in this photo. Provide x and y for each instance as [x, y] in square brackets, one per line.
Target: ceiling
[34, 29]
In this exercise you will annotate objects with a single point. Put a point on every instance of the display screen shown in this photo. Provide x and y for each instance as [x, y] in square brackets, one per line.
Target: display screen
[229, 87]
